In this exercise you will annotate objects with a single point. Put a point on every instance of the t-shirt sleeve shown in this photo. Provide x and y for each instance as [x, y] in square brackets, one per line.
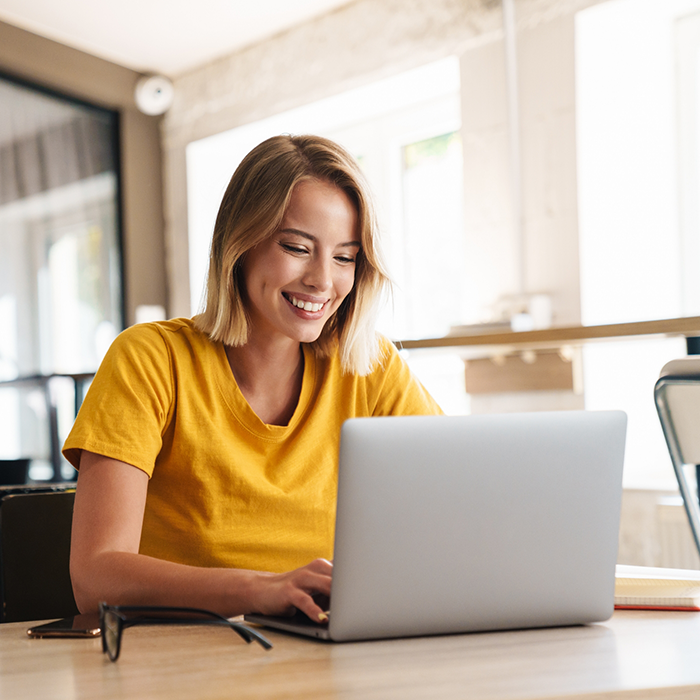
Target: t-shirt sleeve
[129, 403]
[395, 390]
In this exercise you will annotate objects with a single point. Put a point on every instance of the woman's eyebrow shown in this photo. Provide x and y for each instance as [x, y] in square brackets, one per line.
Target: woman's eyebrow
[310, 237]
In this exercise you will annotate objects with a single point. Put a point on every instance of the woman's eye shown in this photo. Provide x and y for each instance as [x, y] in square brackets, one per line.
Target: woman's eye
[345, 260]
[293, 248]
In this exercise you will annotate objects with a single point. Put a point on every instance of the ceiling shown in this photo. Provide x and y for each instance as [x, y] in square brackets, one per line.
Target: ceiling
[161, 36]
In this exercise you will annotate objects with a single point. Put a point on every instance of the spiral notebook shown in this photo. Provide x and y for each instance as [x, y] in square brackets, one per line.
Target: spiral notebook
[648, 588]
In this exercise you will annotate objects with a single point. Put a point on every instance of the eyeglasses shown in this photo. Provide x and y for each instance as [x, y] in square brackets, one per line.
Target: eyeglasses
[115, 618]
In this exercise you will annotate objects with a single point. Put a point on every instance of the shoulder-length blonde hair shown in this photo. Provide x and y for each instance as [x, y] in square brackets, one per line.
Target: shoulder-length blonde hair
[252, 210]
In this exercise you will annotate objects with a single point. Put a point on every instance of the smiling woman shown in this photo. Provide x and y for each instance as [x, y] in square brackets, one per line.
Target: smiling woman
[207, 447]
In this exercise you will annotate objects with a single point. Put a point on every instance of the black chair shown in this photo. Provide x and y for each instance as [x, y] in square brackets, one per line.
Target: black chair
[13, 472]
[35, 531]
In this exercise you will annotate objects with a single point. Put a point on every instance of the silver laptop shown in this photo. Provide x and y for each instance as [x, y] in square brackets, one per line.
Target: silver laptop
[469, 523]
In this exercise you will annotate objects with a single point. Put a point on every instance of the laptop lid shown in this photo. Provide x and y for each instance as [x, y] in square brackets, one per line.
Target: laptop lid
[469, 523]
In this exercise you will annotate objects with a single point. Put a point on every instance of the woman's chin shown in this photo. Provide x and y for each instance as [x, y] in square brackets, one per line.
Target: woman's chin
[310, 337]
[309, 331]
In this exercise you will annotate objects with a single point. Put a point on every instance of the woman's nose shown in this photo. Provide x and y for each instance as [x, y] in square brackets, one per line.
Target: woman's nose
[318, 274]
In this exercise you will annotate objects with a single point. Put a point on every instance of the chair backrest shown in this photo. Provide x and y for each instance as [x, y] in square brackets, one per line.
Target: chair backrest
[13, 472]
[35, 531]
[677, 397]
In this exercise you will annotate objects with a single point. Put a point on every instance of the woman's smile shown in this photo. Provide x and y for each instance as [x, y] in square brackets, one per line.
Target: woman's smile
[304, 303]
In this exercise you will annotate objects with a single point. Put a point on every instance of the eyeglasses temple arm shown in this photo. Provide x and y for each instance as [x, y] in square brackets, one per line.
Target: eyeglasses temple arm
[250, 634]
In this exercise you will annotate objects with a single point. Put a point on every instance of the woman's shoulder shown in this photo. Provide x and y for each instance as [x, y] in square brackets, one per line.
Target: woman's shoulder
[387, 363]
[157, 346]
[385, 353]
[388, 355]
[171, 333]
[390, 388]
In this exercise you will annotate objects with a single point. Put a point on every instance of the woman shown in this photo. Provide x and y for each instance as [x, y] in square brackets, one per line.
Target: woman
[207, 447]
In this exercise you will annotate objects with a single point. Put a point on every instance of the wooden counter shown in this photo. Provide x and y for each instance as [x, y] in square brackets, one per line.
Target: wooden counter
[557, 337]
[637, 654]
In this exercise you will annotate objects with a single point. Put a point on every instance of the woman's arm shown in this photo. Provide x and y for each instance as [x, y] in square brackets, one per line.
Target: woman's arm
[105, 563]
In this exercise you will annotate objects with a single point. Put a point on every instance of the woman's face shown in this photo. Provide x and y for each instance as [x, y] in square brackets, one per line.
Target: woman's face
[296, 279]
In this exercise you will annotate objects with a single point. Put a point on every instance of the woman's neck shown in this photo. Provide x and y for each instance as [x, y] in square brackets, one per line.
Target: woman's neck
[269, 377]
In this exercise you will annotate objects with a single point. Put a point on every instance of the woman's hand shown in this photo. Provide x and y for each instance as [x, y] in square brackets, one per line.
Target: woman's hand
[279, 594]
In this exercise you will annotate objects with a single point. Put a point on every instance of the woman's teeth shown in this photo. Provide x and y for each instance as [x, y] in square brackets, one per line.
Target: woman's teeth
[306, 305]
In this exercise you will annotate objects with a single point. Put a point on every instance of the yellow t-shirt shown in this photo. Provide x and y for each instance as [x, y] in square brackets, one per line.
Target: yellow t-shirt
[226, 489]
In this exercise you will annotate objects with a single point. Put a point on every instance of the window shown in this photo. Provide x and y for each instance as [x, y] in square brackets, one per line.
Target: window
[433, 236]
[637, 133]
[60, 268]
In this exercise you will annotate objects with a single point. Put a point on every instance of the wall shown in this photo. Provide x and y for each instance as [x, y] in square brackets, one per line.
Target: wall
[52, 65]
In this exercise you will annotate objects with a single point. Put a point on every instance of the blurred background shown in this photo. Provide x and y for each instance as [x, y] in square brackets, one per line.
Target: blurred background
[536, 165]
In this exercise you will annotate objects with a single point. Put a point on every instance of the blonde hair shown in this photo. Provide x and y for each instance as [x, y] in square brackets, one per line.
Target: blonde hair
[252, 210]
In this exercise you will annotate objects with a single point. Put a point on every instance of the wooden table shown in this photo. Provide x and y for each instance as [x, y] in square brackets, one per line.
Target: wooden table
[637, 654]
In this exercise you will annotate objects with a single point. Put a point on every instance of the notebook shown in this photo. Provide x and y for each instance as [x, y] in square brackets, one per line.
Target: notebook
[650, 588]
[471, 523]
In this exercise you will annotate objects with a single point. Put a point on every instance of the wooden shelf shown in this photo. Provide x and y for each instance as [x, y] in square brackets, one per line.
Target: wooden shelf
[556, 337]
